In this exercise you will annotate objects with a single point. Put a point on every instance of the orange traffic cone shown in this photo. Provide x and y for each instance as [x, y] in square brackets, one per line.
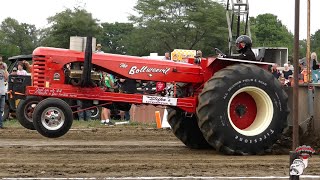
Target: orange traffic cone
[158, 119]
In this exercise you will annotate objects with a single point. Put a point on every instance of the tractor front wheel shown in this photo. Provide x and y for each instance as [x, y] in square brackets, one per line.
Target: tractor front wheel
[242, 110]
[186, 129]
[52, 117]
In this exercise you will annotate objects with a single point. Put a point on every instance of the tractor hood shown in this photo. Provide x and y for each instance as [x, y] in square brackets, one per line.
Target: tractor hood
[128, 66]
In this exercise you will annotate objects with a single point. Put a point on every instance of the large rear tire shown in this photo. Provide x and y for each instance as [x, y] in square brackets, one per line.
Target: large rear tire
[25, 110]
[52, 117]
[186, 129]
[242, 110]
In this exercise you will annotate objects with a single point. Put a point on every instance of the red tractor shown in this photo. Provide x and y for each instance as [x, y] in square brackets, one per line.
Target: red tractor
[234, 106]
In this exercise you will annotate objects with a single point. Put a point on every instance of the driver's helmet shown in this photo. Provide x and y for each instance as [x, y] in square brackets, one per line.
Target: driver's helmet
[243, 39]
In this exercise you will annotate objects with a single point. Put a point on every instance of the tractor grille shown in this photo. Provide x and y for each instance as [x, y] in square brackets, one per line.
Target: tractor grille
[39, 71]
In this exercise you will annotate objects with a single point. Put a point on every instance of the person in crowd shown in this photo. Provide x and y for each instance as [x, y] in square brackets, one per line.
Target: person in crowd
[127, 86]
[3, 90]
[14, 71]
[275, 71]
[314, 60]
[167, 56]
[21, 71]
[286, 71]
[83, 115]
[108, 83]
[244, 44]
[304, 74]
[4, 64]
[290, 81]
[99, 49]
[199, 53]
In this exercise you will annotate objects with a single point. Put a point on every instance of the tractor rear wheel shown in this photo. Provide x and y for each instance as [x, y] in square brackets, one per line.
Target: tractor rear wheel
[25, 110]
[52, 117]
[186, 129]
[242, 110]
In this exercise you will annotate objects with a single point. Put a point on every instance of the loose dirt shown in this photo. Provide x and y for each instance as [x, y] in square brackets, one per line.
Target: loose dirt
[125, 151]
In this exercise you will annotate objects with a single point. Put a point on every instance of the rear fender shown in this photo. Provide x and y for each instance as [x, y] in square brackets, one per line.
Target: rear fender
[214, 65]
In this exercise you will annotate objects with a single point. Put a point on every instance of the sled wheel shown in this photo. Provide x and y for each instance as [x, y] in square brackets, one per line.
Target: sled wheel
[95, 113]
[186, 129]
[52, 117]
[242, 110]
[25, 110]
[6, 111]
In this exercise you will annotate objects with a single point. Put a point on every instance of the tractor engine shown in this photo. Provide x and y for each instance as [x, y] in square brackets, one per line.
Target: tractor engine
[74, 73]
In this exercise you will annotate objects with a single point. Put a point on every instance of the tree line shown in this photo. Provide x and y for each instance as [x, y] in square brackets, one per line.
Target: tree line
[159, 26]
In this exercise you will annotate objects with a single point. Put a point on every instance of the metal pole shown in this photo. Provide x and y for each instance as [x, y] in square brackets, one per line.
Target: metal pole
[295, 110]
[308, 43]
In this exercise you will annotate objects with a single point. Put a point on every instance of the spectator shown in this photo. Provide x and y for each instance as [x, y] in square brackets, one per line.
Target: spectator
[167, 56]
[4, 64]
[304, 73]
[21, 71]
[99, 47]
[199, 54]
[108, 82]
[290, 82]
[83, 115]
[274, 70]
[314, 59]
[14, 71]
[286, 72]
[3, 89]
[27, 66]
[128, 86]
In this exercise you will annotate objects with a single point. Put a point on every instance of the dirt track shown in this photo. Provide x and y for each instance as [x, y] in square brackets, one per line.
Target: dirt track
[125, 151]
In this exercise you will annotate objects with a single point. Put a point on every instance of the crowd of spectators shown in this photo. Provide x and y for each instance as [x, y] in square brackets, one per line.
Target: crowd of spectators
[285, 73]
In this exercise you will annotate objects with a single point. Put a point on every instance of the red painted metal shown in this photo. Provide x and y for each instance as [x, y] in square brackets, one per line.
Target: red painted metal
[245, 103]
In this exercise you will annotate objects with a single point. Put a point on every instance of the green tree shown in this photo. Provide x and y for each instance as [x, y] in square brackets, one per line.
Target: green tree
[76, 22]
[164, 25]
[315, 43]
[17, 38]
[113, 37]
[268, 31]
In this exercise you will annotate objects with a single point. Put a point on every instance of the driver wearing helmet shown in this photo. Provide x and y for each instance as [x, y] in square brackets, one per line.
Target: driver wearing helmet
[244, 44]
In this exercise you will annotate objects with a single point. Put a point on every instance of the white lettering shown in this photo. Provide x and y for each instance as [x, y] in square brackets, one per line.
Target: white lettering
[145, 69]
[132, 70]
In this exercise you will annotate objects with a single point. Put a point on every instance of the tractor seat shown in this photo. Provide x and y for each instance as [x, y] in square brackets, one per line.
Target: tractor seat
[261, 54]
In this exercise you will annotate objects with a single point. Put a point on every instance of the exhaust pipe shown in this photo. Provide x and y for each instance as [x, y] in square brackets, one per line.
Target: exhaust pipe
[87, 65]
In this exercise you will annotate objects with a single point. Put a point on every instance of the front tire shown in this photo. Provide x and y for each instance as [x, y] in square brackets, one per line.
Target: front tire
[242, 110]
[186, 129]
[52, 117]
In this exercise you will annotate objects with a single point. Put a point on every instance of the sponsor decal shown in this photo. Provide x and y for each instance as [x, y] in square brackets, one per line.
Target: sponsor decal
[56, 77]
[159, 100]
[52, 92]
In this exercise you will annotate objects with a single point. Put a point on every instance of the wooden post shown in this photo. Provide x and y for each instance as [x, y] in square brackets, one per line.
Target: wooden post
[308, 44]
[295, 110]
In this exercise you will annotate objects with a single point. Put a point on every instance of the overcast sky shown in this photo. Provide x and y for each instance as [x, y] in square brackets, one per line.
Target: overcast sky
[36, 11]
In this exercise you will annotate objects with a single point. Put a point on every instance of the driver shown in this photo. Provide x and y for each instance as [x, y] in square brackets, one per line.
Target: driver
[243, 44]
